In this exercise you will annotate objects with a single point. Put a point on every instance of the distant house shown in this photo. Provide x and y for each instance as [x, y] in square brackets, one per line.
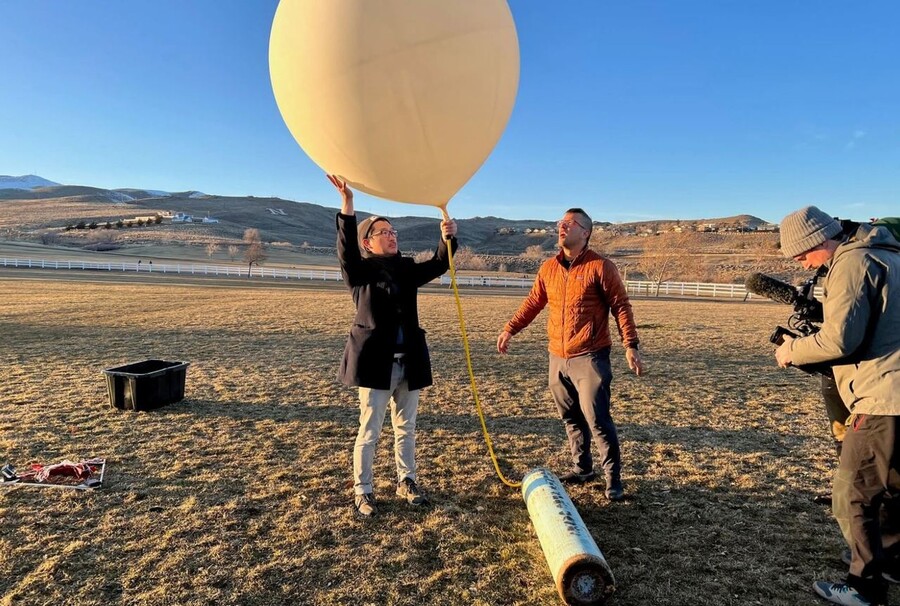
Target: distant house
[768, 227]
[181, 217]
[738, 229]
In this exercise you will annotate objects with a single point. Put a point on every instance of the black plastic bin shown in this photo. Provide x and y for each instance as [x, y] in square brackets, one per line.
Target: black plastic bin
[146, 385]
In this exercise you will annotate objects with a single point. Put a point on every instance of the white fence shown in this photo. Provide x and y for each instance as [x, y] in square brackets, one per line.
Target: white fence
[236, 271]
[635, 287]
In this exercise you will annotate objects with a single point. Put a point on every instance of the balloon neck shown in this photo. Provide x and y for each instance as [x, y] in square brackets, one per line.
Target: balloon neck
[445, 213]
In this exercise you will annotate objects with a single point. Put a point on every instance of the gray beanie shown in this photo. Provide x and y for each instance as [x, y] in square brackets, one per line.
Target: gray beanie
[805, 229]
[364, 230]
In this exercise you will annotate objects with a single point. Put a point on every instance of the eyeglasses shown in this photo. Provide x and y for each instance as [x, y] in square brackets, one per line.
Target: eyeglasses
[567, 225]
[385, 232]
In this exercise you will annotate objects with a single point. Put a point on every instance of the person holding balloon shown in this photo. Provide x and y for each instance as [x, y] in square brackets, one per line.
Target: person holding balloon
[386, 355]
[582, 288]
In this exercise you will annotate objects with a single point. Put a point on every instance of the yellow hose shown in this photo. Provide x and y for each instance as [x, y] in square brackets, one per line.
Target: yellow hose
[465, 338]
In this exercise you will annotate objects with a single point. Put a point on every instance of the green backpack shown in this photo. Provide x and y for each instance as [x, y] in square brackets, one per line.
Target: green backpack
[892, 224]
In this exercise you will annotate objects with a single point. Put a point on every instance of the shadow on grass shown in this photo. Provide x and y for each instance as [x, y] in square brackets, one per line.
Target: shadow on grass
[737, 440]
[750, 440]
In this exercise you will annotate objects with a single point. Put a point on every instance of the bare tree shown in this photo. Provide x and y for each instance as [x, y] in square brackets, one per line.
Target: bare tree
[466, 258]
[665, 257]
[763, 251]
[50, 237]
[254, 252]
[423, 255]
[211, 249]
[535, 251]
[251, 235]
[102, 241]
[233, 252]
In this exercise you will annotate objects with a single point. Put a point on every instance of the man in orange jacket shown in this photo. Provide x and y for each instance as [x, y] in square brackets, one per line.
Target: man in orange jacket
[582, 288]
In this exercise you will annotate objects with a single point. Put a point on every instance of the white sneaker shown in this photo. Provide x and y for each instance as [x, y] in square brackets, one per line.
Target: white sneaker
[840, 593]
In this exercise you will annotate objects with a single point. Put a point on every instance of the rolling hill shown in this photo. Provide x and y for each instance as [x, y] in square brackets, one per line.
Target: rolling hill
[27, 213]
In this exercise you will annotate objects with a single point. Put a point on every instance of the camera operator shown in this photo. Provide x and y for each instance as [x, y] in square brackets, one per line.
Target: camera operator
[860, 338]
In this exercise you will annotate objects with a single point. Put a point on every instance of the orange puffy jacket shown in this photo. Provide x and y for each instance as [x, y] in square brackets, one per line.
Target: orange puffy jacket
[581, 298]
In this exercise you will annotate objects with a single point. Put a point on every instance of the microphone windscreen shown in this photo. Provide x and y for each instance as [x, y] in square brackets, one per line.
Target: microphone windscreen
[769, 287]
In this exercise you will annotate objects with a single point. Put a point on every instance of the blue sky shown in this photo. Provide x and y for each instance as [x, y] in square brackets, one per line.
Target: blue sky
[633, 110]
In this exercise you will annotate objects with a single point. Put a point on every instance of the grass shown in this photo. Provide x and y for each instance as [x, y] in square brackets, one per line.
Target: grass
[241, 494]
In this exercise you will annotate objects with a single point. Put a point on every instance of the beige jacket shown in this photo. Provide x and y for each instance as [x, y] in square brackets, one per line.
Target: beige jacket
[861, 332]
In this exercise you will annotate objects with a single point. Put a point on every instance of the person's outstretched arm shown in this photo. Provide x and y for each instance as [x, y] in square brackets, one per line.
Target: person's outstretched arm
[528, 311]
[349, 256]
[427, 271]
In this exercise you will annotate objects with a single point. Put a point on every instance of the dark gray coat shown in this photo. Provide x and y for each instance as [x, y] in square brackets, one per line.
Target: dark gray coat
[384, 290]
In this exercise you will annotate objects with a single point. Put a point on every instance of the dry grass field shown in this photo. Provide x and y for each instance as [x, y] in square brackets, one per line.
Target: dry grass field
[240, 494]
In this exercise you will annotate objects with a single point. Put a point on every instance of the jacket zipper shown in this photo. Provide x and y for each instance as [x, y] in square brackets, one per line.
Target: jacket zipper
[565, 348]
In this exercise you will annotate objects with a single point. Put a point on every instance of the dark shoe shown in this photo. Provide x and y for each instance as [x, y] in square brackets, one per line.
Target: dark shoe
[614, 490]
[365, 505]
[840, 593]
[573, 477]
[409, 491]
[891, 576]
[822, 499]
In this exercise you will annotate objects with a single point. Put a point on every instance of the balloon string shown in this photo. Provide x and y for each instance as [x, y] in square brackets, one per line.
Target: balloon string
[465, 337]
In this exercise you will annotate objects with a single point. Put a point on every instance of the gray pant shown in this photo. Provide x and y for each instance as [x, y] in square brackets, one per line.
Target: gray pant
[373, 404]
[581, 389]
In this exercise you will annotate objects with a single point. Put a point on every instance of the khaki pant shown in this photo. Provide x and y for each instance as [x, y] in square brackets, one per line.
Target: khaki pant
[373, 405]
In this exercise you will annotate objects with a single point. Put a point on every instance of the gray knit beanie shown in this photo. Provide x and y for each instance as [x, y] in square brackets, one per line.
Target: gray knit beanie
[364, 230]
[805, 229]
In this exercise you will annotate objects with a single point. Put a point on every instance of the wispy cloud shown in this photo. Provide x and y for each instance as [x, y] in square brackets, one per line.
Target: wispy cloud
[811, 137]
[855, 138]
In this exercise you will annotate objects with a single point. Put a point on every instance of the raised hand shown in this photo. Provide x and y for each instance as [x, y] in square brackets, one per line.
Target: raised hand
[448, 228]
[346, 194]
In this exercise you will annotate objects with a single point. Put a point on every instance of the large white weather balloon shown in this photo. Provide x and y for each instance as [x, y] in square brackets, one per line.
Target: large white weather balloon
[403, 99]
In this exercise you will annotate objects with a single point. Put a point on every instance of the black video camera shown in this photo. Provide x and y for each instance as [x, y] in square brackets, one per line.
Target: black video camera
[808, 312]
